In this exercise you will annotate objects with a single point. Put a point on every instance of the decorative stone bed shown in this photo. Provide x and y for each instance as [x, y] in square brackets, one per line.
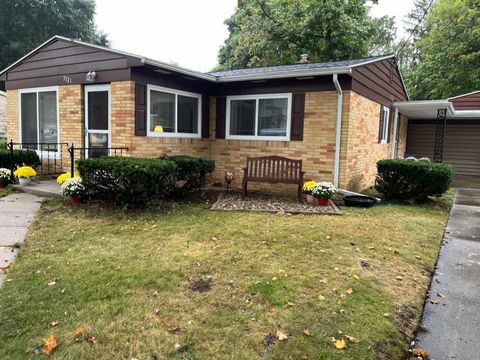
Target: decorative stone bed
[270, 203]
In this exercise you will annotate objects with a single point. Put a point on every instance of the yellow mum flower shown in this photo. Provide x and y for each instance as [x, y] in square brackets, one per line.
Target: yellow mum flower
[308, 187]
[64, 177]
[25, 172]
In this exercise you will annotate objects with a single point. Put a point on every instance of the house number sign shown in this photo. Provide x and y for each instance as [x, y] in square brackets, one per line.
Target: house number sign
[67, 79]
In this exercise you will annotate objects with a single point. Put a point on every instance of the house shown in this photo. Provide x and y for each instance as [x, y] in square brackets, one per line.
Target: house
[447, 131]
[3, 115]
[339, 117]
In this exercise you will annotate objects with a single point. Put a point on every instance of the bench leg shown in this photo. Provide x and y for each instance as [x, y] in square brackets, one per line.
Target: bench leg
[299, 195]
[244, 188]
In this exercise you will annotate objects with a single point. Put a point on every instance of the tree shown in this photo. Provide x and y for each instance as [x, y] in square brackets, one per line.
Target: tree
[270, 32]
[448, 51]
[25, 24]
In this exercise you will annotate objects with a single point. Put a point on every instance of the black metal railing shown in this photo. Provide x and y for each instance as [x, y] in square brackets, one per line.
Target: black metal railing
[50, 155]
[93, 152]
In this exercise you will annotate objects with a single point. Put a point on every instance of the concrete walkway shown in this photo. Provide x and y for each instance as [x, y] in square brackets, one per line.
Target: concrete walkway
[16, 214]
[451, 320]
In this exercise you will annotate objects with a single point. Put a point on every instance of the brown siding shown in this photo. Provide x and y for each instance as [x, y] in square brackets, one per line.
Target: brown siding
[460, 148]
[467, 102]
[379, 81]
[61, 58]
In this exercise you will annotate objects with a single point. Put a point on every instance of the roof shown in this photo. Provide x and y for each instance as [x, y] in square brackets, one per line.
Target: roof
[463, 95]
[270, 72]
[330, 65]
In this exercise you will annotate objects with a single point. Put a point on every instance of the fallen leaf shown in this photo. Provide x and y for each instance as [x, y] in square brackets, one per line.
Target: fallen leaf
[174, 330]
[164, 320]
[51, 283]
[92, 339]
[49, 343]
[399, 277]
[79, 331]
[434, 302]
[420, 354]
[340, 344]
[356, 277]
[321, 297]
[349, 291]
[306, 332]
[54, 323]
[440, 295]
[323, 281]
[290, 304]
[5, 266]
[386, 314]
[352, 339]
[280, 335]
[273, 309]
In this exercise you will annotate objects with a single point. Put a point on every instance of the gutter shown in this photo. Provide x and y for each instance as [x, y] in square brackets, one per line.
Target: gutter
[338, 135]
[395, 134]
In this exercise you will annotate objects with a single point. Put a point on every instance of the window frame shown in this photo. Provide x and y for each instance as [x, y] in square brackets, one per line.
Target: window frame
[258, 97]
[38, 90]
[385, 125]
[175, 134]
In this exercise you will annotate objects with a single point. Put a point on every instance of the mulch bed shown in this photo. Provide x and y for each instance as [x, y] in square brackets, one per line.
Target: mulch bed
[270, 203]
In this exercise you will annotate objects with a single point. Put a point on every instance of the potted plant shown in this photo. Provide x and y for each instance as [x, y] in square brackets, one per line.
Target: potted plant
[323, 191]
[307, 190]
[73, 188]
[5, 177]
[24, 175]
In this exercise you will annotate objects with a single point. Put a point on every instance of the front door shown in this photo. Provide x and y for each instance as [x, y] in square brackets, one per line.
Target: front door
[97, 120]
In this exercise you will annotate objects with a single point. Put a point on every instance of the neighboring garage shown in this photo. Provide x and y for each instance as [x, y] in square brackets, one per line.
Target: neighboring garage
[461, 135]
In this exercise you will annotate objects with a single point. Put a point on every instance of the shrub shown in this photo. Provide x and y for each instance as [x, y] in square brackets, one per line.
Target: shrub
[412, 180]
[3, 144]
[126, 180]
[20, 158]
[191, 172]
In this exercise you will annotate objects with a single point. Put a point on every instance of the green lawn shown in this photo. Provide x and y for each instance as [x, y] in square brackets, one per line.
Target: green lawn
[127, 279]
[6, 191]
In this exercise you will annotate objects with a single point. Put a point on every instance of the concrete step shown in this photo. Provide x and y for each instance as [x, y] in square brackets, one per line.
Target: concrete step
[48, 188]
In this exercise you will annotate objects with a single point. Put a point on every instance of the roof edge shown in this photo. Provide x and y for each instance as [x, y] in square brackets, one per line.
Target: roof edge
[285, 74]
[463, 95]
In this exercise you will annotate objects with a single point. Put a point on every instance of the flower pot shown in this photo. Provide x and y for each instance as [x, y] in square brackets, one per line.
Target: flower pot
[310, 199]
[75, 199]
[24, 181]
[3, 185]
[323, 202]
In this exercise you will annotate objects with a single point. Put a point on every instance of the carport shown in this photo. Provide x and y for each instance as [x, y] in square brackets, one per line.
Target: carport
[446, 131]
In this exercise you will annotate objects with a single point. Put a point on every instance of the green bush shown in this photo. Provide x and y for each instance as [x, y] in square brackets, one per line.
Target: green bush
[129, 181]
[20, 158]
[191, 172]
[3, 144]
[412, 179]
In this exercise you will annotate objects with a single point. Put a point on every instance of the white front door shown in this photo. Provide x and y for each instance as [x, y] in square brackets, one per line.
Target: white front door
[97, 120]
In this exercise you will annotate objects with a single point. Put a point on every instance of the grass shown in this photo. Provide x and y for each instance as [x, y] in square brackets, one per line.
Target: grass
[126, 278]
[6, 191]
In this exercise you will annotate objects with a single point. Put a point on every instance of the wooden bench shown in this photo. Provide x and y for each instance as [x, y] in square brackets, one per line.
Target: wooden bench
[273, 170]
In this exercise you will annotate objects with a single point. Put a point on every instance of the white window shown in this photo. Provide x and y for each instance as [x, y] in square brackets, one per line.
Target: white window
[385, 125]
[39, 118]
[173, 113]
[259, 117]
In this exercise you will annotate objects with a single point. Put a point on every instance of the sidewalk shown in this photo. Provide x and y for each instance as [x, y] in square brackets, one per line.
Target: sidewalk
[451, 320]
[16, 214]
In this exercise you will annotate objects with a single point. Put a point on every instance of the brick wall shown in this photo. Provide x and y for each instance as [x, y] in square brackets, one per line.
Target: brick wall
[360, 149]
[3, 115]
[12, 115]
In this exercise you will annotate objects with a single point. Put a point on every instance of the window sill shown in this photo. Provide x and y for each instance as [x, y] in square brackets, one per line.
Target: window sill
[256, 138]
[174, 135]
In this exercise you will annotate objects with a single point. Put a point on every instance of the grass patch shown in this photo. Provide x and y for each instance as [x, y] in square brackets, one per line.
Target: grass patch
[6, 191]
[127, 279]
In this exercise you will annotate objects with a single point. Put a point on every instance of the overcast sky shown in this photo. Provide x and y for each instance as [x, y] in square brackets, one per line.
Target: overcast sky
[186, 32]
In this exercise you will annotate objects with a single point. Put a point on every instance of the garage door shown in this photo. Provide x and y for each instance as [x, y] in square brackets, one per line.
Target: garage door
[461, 147]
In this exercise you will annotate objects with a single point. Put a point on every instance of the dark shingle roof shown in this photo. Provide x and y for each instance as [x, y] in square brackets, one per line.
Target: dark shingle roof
[293, 67]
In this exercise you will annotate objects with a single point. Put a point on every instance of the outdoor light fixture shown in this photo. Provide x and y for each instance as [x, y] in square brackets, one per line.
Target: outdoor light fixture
[91, 75]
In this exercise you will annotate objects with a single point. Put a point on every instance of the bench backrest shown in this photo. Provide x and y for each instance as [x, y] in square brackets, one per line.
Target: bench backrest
[274, 169]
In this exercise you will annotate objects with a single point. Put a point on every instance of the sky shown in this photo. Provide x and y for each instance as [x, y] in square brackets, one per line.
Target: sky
[187, 32]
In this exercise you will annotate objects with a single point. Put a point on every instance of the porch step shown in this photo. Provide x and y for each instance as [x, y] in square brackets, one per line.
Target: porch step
[43, 188]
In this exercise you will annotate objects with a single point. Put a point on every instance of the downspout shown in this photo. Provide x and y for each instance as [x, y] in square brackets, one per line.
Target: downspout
[338, 137]
[395, 135]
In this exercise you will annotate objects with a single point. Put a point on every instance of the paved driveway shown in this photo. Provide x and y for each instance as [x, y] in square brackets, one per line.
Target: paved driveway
[451, 320]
